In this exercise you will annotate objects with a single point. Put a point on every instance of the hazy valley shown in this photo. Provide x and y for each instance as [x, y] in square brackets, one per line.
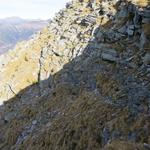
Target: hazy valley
[14, 30]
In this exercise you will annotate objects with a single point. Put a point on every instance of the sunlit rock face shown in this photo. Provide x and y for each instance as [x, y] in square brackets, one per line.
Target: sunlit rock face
[141, 3]
[82, 82]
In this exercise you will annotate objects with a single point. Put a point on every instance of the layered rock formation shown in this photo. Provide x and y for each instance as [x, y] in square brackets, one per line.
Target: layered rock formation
[81, 83]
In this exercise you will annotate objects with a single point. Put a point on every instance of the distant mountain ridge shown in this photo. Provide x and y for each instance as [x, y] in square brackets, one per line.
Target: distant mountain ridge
[15, 29]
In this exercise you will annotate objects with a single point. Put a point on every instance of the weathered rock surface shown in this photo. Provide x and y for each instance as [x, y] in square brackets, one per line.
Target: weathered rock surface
[147, 59]
[82, 83]
[110, 55]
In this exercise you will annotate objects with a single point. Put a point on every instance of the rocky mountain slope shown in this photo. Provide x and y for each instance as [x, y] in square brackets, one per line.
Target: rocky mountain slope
[14, 30]
[83, 83]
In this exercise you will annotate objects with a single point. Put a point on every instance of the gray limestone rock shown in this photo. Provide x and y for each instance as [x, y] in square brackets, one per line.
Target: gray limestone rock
[122, 30]
[130, 30]
[146, 59]
[143, 40]
[109, 55]
[9, 116]
[123, 13]
[145, 20]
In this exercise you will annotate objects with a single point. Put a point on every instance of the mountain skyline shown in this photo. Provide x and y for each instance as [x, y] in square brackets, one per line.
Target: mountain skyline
[30, 9]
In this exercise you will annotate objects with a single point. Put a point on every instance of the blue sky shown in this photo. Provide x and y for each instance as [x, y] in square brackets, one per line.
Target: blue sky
[31, 9]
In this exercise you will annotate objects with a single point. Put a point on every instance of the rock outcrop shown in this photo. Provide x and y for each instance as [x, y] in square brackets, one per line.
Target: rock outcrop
[81, 83]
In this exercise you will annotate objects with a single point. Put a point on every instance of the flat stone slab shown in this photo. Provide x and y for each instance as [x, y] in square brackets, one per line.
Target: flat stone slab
[109, 55]
[146, 20]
